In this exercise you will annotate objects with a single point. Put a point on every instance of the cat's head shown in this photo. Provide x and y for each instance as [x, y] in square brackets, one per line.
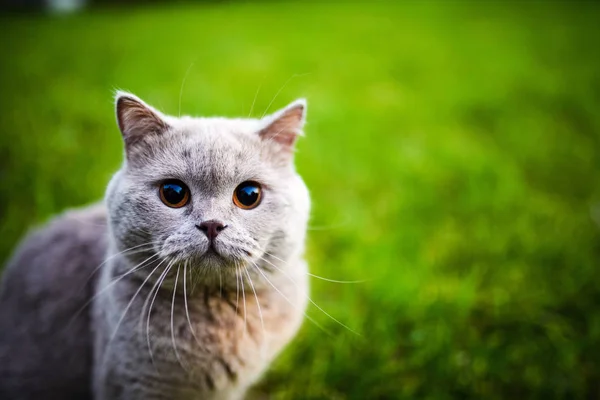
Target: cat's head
[212, 193]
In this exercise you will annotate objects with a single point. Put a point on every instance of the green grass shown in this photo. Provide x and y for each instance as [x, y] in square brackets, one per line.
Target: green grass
[452, 153]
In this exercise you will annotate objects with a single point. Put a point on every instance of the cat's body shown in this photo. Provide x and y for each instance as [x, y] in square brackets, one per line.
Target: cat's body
[232, 343]
[144, 300]
[45, 353]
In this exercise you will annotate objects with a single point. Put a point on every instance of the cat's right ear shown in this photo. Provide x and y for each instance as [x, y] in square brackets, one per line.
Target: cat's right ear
[137, 119]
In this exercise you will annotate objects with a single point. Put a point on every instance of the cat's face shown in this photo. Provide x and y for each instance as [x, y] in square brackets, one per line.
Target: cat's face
[210, 193]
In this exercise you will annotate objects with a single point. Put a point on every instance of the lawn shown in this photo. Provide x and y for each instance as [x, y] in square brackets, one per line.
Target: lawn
[452, 152]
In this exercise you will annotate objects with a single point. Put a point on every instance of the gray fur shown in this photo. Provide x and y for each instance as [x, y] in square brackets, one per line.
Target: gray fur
[68, 331]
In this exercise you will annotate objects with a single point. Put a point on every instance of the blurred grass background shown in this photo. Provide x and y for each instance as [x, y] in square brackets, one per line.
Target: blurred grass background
[452, 152]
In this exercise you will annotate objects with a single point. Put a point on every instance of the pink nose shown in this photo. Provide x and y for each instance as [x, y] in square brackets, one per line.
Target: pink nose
[211, 228]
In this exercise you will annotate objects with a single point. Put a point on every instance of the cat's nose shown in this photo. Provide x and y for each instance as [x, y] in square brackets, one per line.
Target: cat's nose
[211, 228]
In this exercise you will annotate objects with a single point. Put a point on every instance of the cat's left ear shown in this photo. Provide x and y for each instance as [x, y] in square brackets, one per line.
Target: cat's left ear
[284, 126]
[137, 119]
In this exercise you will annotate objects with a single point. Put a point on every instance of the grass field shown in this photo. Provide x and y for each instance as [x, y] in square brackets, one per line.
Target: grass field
[452, 152]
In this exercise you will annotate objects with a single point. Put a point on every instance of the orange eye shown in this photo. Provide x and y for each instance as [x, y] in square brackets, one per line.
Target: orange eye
[247, 195]
[174, 194]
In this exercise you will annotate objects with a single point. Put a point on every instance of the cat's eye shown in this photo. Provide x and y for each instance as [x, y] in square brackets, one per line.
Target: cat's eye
[174, 193]
[247, 195]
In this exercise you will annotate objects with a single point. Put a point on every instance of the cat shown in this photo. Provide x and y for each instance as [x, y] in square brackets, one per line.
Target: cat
[185, 283]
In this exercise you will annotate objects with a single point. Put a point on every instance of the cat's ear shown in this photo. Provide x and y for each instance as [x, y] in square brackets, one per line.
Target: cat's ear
[137, 119]
[282, 128]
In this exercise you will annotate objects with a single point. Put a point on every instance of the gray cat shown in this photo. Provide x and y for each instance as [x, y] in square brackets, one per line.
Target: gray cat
[186, 284]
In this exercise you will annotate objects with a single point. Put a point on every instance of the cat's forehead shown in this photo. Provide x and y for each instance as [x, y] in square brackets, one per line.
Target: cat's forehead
[212, 151]
[215, 141]
[211, 134]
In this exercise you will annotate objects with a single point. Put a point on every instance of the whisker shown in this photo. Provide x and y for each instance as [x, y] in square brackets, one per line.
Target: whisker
[172, 315]
[132, 300]
[237, 291]
[334, 280]
[108, 286]
[273, 137]
[187, 313]
[279, 91]
[244, 302]
[254, 100]
[110, 341]
[195, 279]
[157, 285]
[311, 300]
[257, 303]
[152, 290]
[313, 275]
[141, 318]
[117, 254]
[220, 284]
[289, 301]
[182, 84]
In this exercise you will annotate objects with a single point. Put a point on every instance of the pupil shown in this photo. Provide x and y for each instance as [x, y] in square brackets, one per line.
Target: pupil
[248, 195]
[173, 193]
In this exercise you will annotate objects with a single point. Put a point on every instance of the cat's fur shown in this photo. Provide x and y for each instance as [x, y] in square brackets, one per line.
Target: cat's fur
[210, 338]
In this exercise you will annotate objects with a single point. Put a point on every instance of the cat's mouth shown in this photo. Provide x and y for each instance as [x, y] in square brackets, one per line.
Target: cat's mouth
[214, 255]
[212, 252]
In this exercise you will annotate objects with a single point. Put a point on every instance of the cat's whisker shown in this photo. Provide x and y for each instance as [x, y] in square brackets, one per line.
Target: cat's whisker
[114, 334]
[262, 323]
[155, 289]
[220, 284]
[316, 276]
[254, 100]
[244, 301]
[150, 293]
[187, 313]
[308, 273]
[150, 244]
[182, 84]
[311, 300]
[237, 291]
[279, 91]
[157, 285]
[140, 324]
[289, 301]
[134, 269]
[172, 318]
[141, 318]
[272, 138]
[195, 279]
[334, 280]
[108, 286]
[131, 302]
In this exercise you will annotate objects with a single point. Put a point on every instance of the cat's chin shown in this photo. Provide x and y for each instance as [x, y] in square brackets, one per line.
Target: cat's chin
[214, 259]
[213, 256]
